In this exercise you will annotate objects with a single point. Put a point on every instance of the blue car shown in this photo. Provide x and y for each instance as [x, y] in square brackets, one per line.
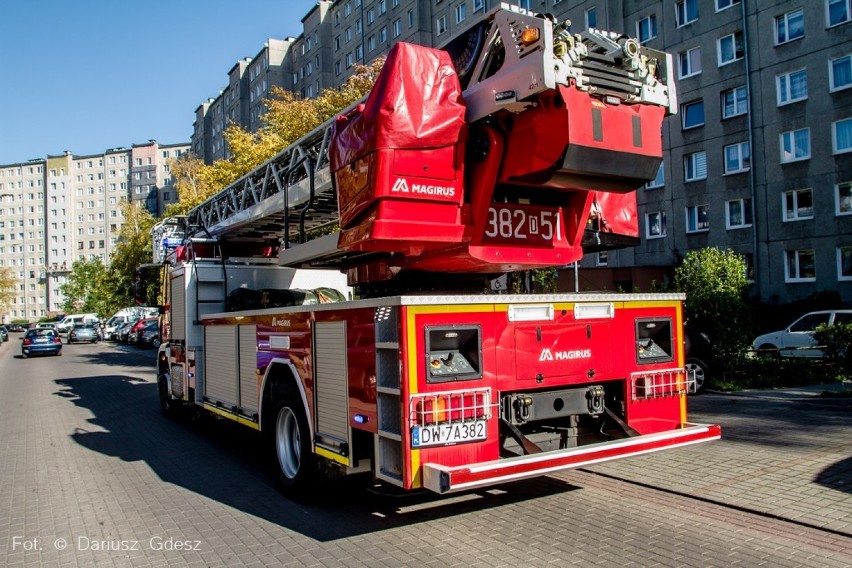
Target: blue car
[41, 342]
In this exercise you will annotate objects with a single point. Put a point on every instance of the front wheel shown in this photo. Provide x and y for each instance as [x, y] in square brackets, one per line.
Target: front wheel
[296, 463]
[701, 371]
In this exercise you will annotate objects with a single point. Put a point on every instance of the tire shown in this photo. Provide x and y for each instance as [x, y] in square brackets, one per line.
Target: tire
[155, 343]
[170, 407]
[292, 445]
[702, 373]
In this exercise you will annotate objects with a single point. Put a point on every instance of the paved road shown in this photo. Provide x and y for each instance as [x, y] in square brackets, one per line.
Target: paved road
[88, 465]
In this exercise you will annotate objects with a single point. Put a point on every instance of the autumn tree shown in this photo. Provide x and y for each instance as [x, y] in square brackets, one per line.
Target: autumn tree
[133, 249]
[8, 283]
[288, 117]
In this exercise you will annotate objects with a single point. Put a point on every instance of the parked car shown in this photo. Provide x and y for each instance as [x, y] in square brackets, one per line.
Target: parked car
[138, 328]
[16, 328]
[83, 332]
[124, 332]
[112, 333]
[4, 333]
[150, 335]
[41, 342]
[797, 340]
[699, 354]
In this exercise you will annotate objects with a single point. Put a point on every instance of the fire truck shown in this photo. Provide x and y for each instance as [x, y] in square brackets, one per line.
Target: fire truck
[343, 298]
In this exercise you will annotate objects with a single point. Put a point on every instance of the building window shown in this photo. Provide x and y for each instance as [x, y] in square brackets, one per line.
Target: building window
[348, 34]
[737, 158]
[371, 16]
[738, 213]
[410, 19]
[795, 145]
[730, 48]
[686, 12]
[659, 180]
[840, 73]
[646, 28]
[441, 25]
[838, 11]
[397, 28]
[655, 225]
[461, 13]
[478, 5]
[841, 136]
[695, 166]
[591, 18]
[689, 62]
[696, 219]
[844, 263]
[383, 6]
[792, 87]
[789, 26]
[798, 204]
[371, 43]
[601, 258]
[349, 60]
[692, 114]
[338, 67]
[734, 102]
[383, 35]
[843, 198]
[723, 4]
[799, 266]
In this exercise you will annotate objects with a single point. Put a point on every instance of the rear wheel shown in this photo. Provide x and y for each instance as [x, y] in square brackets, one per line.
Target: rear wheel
[296, 463]
[170, 406]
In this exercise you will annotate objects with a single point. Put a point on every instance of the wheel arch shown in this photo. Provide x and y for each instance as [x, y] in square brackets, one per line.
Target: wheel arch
[281, 379]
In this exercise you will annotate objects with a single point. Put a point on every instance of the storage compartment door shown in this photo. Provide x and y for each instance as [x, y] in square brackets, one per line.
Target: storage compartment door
[177, 299]
[331, 390]
[220, 364]
[248, 369]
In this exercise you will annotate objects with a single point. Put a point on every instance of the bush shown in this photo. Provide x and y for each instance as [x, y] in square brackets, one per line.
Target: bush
[835, 340]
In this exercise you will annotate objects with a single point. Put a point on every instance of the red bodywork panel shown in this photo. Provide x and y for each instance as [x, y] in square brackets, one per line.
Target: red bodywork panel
[397, 160]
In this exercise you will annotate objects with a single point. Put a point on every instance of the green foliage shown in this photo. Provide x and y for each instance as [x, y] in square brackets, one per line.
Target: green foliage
[715, 285]
[537, 281]
[8, 283]
[772, 373]
[836, 340]
[81, 287]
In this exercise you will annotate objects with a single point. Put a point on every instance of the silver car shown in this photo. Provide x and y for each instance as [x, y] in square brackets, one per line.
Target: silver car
[83, 332]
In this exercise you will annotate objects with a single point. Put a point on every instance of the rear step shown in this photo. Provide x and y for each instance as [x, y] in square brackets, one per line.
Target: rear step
[443, 479]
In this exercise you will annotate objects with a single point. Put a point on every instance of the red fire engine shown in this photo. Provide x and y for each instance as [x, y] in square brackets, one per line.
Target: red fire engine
[518, 146]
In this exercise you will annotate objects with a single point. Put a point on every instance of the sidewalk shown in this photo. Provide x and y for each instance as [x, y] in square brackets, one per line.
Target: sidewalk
[808, 392]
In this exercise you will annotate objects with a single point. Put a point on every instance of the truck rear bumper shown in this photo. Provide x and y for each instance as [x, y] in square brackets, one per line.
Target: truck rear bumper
[443, 479]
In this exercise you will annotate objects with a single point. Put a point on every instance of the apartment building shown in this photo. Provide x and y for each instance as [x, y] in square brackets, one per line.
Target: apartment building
[65, 208]
[758, 160]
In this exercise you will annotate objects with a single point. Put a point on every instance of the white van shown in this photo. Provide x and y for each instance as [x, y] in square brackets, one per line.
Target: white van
[68, 322]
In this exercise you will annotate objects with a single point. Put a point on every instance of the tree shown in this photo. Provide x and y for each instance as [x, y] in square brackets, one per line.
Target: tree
[288, 117]
[8, 283]
[133, 249]
[81, 288]
[715, 285]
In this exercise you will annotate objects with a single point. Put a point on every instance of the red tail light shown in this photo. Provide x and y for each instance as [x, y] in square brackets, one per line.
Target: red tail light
[27, 341]
[57, 340]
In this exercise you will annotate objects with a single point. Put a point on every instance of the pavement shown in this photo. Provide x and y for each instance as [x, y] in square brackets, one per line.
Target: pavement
[784, 454]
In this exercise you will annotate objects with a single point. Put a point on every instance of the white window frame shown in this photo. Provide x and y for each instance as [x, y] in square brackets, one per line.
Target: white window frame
[397, 28]
[840, 276]
[478, 5]
[784, 87]
[791, 135]
[601, 258]
[661, 215]
[832, 88]
[834, 148]
[797, 257]
[743, 158]
[785, 19]
[461, 12]
[661, 176]
[729, 3]
[744, 205]
[683, 110]
[651, 22]
[734, 92]
[690, 158]
[441, 25]
[594, 12]
[845, 187]
[795, 214]
[733, 38]
[848, 8]
[693, 216]
[681, 15]
[680, 59]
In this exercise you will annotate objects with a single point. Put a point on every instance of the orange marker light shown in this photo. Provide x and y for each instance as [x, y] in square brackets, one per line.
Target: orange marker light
[530, 36]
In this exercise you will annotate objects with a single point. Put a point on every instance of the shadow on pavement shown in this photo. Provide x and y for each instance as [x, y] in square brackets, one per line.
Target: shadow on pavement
[127, 357]
[837, 476]
[226, 462]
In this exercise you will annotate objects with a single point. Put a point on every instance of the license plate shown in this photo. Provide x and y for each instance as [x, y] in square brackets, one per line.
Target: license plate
[526, 224]
[443, 434]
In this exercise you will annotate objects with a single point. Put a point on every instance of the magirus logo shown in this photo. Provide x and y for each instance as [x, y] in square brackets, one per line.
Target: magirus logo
[401, 186]
[548, 355]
